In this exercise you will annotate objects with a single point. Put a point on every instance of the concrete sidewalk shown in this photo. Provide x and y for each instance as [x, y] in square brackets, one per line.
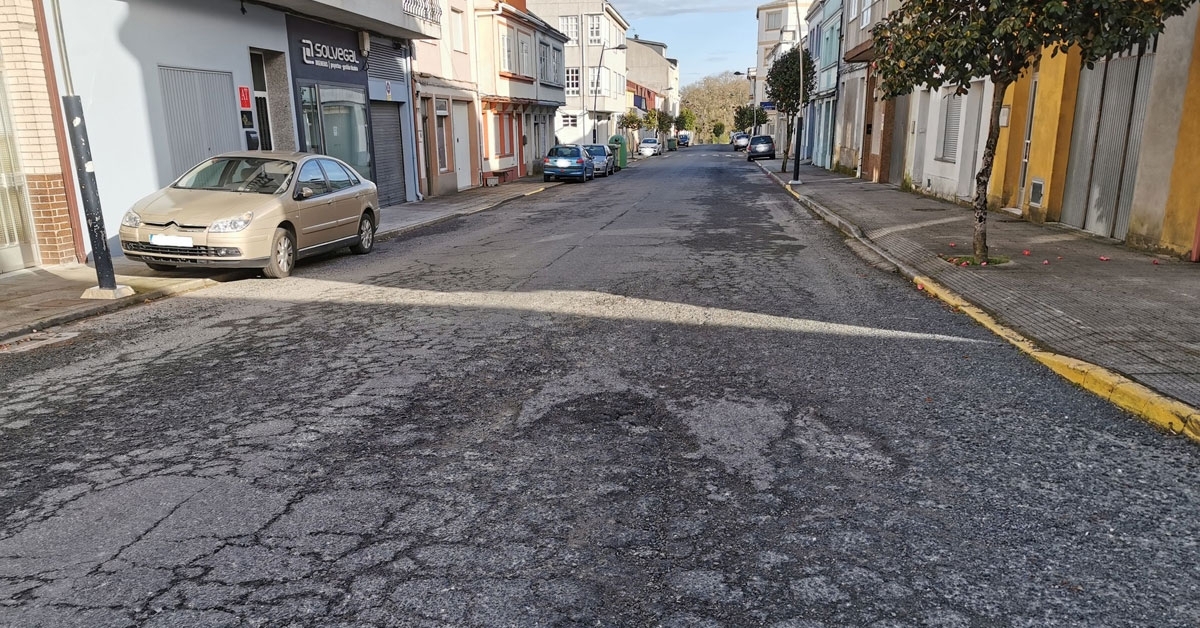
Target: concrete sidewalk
[1071, 293]
[39, 298]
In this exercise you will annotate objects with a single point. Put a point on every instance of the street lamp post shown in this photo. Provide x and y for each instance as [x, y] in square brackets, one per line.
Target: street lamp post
[596, 92]
[752, 74]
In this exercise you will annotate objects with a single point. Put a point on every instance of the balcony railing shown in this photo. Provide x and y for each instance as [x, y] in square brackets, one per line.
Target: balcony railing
[428, 10]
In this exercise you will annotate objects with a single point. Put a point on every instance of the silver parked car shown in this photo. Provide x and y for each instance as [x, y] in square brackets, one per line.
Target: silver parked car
[603, 156]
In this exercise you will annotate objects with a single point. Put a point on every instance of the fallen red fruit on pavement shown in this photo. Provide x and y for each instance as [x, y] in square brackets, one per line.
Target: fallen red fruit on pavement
[1059, 257]
[1104, 259]
[1025, 252]
[1045, 262]
[952, 245]
[983, 263]
[920, 287]
[1155, 262]
[964, 264]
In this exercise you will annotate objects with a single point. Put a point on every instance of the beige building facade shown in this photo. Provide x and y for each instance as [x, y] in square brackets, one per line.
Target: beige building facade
[39, 222]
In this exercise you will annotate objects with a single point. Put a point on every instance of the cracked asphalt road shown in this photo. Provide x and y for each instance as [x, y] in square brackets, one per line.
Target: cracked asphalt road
[668, 398]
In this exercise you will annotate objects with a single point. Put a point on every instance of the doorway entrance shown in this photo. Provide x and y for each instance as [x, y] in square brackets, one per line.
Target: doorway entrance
[462, 143]
[334, 121]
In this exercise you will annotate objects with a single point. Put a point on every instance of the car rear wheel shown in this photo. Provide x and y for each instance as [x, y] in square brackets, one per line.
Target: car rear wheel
[283, 255]
[160, 267]
[366, 236]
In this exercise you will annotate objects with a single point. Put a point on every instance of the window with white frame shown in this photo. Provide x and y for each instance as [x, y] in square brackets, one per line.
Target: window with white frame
[458, 30]
[556, 66]
[949, 127]
[507, 50]
[544, 74]
[570, 121]
[593, 80]
[595, 30]
[774, 20]
[569, 25]
[866, 14]
[572, 81]
[852, 5]
[525, 53]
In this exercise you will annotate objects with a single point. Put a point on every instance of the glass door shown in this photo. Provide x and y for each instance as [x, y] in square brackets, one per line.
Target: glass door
[334, 118]
[16, 242]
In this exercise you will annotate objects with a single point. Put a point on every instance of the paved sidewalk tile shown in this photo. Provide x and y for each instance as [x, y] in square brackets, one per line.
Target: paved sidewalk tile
[42, 297]
[1133, 313]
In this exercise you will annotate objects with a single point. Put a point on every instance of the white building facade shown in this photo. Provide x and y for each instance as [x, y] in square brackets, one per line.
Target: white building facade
[595, 58]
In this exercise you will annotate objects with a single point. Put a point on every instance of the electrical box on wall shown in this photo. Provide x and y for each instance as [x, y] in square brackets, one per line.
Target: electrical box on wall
[1037, 190]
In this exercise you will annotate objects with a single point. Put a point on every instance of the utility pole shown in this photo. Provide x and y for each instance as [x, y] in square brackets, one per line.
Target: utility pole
[800, 116]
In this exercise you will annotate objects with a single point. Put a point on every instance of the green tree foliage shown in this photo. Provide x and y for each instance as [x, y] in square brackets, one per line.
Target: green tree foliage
[712, 99]
[935, 43]
[790, 85]
[630, 120]
[745, 115]
[718, 130]
[650, 120]
[686, 120]
[666, 122]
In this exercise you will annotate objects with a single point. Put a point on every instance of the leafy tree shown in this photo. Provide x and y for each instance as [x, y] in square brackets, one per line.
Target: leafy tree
[630, 121]
[650, 120]
[790, 89]
[935, 43]
[745, 116]
[666, 122]
[712, 99]
[686, 120]
[718, 130]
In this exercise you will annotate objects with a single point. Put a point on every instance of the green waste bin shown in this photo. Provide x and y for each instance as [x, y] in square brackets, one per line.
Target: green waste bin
[672, 143]
[620, 148]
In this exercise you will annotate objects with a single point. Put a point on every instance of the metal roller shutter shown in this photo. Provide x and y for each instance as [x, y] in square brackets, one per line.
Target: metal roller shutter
[389, 152]
[201, 120]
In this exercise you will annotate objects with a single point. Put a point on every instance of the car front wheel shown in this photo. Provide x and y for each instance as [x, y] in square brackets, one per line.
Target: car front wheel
[283, 255]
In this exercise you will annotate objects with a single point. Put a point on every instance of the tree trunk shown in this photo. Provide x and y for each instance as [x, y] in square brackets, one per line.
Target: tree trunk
[985, 175]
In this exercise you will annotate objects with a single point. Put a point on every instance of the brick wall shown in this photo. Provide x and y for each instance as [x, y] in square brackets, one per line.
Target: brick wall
[22, 69]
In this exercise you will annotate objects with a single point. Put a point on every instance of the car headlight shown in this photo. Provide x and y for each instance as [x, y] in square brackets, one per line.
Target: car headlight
[231, 225]
[131, 219]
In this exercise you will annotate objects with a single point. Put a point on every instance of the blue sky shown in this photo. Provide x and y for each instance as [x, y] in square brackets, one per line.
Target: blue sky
[707, 36]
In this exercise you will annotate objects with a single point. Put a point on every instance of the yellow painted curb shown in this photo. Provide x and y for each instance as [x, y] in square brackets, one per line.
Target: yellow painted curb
[1160, 410]
[541, 189]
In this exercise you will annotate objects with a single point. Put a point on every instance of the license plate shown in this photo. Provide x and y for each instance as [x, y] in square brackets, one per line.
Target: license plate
[170, 240]
[563, 163]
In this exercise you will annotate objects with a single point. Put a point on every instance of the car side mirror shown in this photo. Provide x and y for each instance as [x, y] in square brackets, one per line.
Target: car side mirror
[305, 192]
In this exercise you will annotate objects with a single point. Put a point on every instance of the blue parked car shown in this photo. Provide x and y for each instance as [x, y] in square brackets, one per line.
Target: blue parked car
[568, 161]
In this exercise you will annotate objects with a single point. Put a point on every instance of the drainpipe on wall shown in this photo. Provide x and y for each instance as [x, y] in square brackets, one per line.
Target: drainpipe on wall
[60, 129]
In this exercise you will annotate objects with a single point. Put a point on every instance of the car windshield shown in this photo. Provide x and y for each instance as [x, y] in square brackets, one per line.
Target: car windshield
[598, 151]
[761, 140]
[239, 174]
[649, 140]
[564, 151]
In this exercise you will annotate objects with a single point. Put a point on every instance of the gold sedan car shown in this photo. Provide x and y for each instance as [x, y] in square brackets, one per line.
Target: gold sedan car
[254, 209]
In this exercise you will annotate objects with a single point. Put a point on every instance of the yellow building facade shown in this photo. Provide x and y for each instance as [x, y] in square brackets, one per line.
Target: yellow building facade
[1110, 150]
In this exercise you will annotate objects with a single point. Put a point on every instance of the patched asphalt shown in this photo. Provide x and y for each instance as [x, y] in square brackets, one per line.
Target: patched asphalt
[668, 398]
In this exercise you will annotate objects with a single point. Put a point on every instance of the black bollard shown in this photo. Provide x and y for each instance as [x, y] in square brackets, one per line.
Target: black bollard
[84, 172]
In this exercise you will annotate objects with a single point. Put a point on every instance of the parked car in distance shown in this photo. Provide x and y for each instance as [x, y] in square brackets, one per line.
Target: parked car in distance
[649, 146]
[255, 209]
[760, 147]
[741, 141]
[685, 139]
[603, 156]
[568, 161]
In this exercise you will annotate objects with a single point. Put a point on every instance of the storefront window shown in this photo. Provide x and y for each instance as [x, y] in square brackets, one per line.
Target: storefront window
[16, 245]
[335, 124]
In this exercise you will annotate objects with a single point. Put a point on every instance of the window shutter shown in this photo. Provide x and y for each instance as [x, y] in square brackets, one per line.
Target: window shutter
[952, 122]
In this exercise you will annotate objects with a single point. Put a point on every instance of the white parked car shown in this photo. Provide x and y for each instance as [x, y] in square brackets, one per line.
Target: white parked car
[649, 146]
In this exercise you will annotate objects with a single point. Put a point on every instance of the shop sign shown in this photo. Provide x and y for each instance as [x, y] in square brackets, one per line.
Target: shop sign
[323, 52]
[244, 97]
